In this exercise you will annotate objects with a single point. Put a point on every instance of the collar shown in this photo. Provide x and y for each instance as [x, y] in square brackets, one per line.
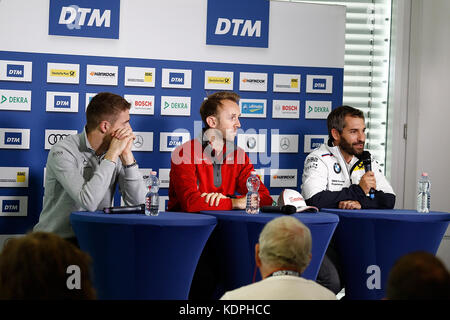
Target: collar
[285, 273]
[215, 157]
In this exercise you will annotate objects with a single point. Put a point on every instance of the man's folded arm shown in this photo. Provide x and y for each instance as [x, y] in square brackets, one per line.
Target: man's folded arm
[184, 182]
[86, 194]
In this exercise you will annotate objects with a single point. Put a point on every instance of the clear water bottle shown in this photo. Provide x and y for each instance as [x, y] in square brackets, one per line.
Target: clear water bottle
[152, 196]
[423, 194]
[252, 194]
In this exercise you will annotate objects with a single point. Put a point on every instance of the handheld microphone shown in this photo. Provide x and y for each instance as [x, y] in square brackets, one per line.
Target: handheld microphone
[287, 209]
[367, 162]
[125, 209]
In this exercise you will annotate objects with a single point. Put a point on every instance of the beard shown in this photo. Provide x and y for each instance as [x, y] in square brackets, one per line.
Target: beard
[350, 148]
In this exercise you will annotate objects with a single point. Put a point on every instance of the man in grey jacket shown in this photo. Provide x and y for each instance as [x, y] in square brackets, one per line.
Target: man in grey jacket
[83, 169]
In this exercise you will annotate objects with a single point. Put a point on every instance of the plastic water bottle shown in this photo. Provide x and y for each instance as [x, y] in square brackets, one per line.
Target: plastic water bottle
[423, 194]
[252, 194]
[152, 196]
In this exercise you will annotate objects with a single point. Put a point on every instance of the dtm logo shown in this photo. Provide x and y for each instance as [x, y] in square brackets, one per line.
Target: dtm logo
[15, 70]
[11, 206]
[319, 84]
[238, 23]
[176, 78]
[78, 18]
[174, 141]
[315, 143]
[13, 138]
[62, 102]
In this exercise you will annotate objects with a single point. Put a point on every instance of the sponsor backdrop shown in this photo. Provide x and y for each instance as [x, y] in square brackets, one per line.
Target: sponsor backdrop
[43, 96]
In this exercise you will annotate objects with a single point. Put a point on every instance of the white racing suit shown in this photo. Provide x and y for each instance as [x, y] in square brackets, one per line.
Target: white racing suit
[327, 179]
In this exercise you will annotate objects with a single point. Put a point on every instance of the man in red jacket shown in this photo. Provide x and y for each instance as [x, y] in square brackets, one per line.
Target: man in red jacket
[207, 171]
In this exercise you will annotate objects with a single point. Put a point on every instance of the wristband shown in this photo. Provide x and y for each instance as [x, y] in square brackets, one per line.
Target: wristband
[130, 165]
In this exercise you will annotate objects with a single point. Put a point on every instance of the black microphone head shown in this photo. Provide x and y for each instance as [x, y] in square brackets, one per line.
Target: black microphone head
[288, 209]
[365, 155]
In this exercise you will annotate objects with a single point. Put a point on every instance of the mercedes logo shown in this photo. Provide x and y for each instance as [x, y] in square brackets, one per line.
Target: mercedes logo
[138, 142]
[284, 143]
[251, 142]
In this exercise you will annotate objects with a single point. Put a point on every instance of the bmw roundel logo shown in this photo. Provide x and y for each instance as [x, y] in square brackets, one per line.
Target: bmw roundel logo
[251, 143]
[337, 168]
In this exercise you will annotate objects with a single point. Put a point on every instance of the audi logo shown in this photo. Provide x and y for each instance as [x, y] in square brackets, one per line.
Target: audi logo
[55, 137]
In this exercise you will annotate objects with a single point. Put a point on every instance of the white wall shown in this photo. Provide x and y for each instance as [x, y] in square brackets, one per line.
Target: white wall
[428, 108]
[166, 30]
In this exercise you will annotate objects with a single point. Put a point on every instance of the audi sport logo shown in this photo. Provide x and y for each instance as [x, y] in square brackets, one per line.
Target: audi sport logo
[55, 137]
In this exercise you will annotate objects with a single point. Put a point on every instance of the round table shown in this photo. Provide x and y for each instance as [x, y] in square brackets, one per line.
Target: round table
[142, 257]
[369, 242]
[237, 232]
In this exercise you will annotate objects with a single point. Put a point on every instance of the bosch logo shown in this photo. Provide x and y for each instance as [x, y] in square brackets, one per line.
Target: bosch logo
[55, 137]
[142, 103]
[289, 108]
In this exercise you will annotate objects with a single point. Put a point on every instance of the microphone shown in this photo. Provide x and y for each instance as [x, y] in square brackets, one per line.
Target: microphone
[287, 209]
[367, 162]
[125, 209]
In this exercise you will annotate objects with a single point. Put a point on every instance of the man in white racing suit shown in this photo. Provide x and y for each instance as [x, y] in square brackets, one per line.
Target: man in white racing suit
[334, 177]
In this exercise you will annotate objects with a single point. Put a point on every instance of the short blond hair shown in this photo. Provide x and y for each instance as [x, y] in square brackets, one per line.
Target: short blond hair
[285, 242]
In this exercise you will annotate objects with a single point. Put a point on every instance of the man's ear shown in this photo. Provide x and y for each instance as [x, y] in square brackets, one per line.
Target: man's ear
[104, 126]
[336, 135]
[212, 121]
[257, 259]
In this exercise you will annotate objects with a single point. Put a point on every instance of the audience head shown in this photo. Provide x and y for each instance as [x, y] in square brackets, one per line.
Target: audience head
[284, 243]
[418, 275]
[38, 266]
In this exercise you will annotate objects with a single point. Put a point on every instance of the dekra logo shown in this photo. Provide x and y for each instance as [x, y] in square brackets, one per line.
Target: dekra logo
[10, 206]
[14, 99]
[13, 138]
[14, 70]
[176, 78]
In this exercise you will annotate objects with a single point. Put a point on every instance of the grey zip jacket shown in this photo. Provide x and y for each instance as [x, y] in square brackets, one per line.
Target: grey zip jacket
[77, 179]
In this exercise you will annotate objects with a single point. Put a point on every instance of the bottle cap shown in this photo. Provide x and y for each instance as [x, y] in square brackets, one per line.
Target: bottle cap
[424, 174]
